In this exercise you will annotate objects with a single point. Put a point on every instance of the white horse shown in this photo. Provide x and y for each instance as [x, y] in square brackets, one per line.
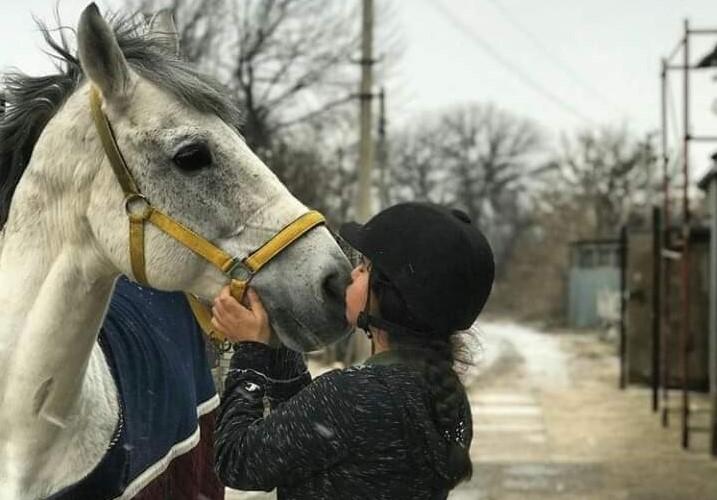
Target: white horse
[65, 240]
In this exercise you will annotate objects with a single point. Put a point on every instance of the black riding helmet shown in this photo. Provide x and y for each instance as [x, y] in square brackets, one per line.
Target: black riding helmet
[439, 262]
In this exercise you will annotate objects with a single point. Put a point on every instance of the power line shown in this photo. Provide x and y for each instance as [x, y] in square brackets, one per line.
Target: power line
[506, 63]
[555, 59]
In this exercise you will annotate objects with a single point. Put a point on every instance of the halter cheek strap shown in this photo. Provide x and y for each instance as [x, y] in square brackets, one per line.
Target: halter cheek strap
[139, 210]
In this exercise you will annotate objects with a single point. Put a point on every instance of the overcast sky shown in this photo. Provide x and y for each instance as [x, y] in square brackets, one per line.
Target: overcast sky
[563, 63]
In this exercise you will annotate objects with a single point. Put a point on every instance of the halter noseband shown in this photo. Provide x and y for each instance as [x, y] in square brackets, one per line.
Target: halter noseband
[139, 210]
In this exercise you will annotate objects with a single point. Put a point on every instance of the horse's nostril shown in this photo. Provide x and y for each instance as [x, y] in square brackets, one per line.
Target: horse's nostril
[333, 286]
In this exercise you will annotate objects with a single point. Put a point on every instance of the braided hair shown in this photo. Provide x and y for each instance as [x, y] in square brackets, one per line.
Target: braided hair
[441, 351]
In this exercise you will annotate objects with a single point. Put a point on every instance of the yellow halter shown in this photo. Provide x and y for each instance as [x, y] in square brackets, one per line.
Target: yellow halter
[139, 210]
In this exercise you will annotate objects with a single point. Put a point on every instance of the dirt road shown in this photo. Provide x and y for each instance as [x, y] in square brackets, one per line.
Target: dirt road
[550, 423]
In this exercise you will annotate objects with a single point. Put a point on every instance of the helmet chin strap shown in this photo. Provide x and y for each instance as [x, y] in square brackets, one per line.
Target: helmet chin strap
[365, 321]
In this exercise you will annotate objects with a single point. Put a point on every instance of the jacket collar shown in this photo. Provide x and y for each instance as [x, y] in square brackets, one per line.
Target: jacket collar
[403, 356]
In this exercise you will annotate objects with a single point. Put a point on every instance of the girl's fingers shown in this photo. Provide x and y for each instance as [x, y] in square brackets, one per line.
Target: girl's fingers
[220, 310]
[256, 304]
[218, 326]
[239, 323]
[220, 300]
[229, 305]
[216, 312]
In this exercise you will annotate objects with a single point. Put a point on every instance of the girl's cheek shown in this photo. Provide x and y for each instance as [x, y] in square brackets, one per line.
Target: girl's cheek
[349, 295]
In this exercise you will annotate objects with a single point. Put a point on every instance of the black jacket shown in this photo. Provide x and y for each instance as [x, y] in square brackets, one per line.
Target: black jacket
[363, 432]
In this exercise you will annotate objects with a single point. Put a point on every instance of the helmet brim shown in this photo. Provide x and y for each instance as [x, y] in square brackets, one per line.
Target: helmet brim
[353, 234]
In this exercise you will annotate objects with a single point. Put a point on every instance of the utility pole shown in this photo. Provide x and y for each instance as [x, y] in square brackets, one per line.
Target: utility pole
[382, 150]
[363, 201]
[360, 347]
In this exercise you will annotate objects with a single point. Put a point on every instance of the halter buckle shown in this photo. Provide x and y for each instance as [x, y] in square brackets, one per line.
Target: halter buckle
[237, 270]
[137, 206]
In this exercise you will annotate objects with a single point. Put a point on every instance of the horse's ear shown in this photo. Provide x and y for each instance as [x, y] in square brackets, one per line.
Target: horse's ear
[162, 28]
[100, 54]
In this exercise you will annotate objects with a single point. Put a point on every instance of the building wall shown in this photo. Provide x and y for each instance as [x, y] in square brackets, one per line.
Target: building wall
[585, 285]
[638, 321]
[639, 313]
[594, 274]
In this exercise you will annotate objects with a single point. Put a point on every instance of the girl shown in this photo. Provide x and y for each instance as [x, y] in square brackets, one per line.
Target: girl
[398, 426]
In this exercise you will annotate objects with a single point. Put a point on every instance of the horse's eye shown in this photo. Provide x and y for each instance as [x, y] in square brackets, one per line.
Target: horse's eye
[193, 157]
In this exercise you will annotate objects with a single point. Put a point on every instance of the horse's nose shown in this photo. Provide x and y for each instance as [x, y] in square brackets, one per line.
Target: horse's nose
[334, 284]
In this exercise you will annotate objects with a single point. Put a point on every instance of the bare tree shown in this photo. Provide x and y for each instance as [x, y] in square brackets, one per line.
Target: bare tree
[417, 171]
[475, 157]
[287, 61]
[492, 154]
[195, 21]
[609, 172]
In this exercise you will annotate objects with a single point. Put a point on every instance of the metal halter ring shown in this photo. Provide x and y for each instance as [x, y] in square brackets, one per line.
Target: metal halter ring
[140, 202]
[238, 270]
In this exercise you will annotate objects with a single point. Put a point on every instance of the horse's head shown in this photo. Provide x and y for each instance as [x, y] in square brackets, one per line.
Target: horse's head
[175, 129]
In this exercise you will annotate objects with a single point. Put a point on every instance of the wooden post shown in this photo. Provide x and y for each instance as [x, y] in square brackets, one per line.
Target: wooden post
[624, 297]
[656, 316]
[713, 312]
[709, 184]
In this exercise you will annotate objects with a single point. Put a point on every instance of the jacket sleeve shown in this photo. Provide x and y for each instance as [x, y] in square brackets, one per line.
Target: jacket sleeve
[269, 435]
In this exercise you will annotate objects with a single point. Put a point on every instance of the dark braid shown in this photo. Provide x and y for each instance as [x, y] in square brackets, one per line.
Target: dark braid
[441, 351]
[443, 381]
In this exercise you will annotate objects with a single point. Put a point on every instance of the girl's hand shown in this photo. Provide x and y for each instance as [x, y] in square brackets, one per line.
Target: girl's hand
[239, 323]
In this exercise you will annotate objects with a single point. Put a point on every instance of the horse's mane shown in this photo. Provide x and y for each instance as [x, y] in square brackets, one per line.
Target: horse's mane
[32, 101]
